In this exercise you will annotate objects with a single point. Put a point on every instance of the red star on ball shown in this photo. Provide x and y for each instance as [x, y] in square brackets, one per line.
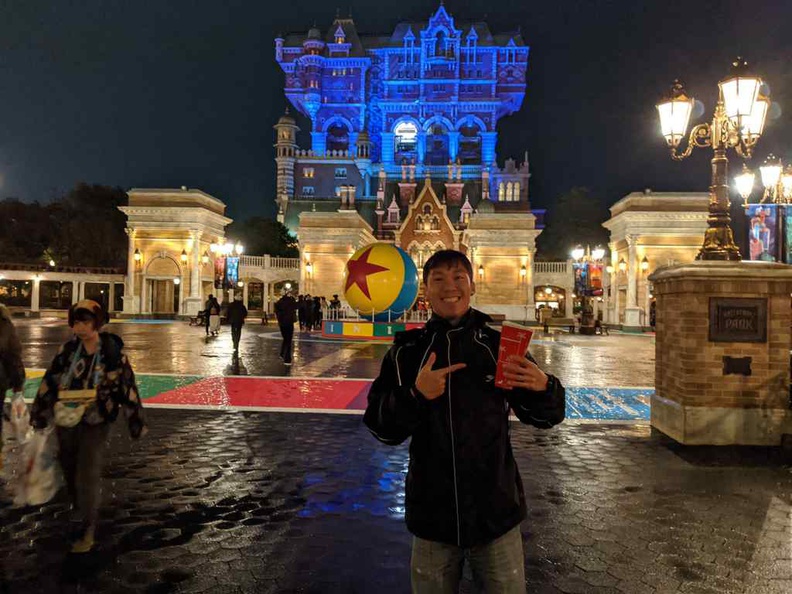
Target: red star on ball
[359, 270]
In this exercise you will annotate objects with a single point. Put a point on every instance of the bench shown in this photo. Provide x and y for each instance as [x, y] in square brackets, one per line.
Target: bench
[560, 323]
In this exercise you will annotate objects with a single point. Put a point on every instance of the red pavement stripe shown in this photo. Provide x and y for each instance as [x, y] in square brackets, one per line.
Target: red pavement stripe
[286, 393]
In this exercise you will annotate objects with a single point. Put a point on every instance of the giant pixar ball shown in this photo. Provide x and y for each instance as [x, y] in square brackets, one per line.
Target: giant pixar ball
[380, 282]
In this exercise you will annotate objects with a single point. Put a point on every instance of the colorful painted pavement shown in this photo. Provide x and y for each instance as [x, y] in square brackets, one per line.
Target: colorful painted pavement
[337, 395]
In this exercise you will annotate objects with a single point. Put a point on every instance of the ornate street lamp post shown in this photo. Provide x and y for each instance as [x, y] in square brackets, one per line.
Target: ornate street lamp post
[737, 123]
[587, 259]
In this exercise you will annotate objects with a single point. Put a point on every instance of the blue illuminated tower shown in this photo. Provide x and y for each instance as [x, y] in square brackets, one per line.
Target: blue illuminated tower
[422, 101]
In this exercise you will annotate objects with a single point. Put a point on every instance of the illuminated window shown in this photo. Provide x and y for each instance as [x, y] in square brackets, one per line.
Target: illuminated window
[308, 191]
[340, 173]
[308, 172]
[501, 192]
[405, 137]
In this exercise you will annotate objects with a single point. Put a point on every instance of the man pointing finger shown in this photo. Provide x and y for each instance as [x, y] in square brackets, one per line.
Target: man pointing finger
[431, 383]
[464, 497]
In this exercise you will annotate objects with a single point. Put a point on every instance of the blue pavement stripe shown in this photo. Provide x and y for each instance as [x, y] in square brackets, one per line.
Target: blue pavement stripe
[628, 404]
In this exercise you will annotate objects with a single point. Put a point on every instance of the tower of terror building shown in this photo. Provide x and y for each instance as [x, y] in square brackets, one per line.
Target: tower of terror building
[403, 131]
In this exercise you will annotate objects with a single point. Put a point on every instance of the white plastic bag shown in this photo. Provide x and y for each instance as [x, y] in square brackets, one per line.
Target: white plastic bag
[20, 417]
[33, 475]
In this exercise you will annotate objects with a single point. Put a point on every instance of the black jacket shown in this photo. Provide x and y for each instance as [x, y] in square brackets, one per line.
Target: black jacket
[236, 313]
[285, 310]
[463, 486]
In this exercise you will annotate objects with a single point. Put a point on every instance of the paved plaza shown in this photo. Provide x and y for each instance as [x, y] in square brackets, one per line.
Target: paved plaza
[252, 496]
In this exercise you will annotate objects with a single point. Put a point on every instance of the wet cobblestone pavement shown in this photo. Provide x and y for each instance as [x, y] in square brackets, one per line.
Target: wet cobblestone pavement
[267, 502]
[228, 501]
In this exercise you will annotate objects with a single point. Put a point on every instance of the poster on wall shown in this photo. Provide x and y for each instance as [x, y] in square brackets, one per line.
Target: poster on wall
[788, 244]
[232, 272]
[219, 273]
[581, 278]
[762, 226]
[595, 279]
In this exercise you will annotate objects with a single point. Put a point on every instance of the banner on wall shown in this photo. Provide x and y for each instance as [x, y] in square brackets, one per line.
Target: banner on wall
[232, 272]
[581, 278]
[219, 273]
[595, 279]
[762, 226]
[788, 233]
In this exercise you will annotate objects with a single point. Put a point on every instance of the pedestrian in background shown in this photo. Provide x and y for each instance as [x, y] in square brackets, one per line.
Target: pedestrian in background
[92, 363]
[206, 313]
[236, 314]
[12, 371]
[286, 312]
[317, 313]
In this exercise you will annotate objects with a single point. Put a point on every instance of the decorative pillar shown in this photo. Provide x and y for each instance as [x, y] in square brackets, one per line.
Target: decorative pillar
[111, 296]
[318, 143]
[129, 281]
[488, 141]
[75, 292]
[191, 305]
[143, 305]
[82, 290]
[632, 313]
[453, 145]
[35, 294]
[421, 146]
[245, 294]
[387, 148]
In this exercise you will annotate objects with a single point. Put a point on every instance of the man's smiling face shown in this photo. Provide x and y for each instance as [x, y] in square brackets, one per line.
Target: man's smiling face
[448, 289]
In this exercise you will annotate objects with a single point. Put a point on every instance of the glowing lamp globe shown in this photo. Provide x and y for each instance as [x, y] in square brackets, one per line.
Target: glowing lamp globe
[380, 282]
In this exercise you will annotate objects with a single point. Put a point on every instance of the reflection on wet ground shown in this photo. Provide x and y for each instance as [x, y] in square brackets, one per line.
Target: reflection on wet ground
[618, 360]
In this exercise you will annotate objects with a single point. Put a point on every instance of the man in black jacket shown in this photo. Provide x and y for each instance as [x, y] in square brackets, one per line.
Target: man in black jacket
[285, 309]
[464, 495]
[236, 314]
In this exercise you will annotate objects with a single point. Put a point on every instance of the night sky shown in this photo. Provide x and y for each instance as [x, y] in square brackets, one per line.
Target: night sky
[164, 94]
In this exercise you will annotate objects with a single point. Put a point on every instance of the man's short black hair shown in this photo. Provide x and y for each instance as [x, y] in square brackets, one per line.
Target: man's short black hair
[448, 259]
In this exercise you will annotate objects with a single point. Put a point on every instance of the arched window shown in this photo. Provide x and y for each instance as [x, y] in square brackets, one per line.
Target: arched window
[427, 209]
[437, 146]
[337, 138]
[501, 192]
[509, 192]
[435, 224]
[470, 145]
[516, 191]
[404, 141]
[419, 222]
[439, 44]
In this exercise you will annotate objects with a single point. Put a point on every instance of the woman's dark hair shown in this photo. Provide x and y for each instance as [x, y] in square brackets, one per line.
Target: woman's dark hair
[447, 259]
[87, 310]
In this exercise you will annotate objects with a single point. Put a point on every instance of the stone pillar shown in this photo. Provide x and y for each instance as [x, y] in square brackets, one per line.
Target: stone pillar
[35, 295]
[75, 292]
[722, 353]
[245, 294]
[111, 296]
[421, 146]
[129, 281]
[453, 145]
[82, 290]
[632, 313]
[143, 305]
[193, 304]
[488, 141]
[616, 301]
[318, 143]
[387, 148]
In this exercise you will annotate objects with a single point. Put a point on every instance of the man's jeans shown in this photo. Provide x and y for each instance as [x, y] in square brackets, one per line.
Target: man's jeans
[497, 567]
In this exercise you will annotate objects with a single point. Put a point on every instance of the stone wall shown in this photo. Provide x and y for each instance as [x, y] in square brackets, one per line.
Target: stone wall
[695, 401]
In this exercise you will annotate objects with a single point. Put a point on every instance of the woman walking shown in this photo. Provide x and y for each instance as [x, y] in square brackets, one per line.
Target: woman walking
[86, 385]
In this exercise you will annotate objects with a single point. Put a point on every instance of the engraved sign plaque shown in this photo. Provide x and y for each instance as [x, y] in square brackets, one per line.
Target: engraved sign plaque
[737, 320]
